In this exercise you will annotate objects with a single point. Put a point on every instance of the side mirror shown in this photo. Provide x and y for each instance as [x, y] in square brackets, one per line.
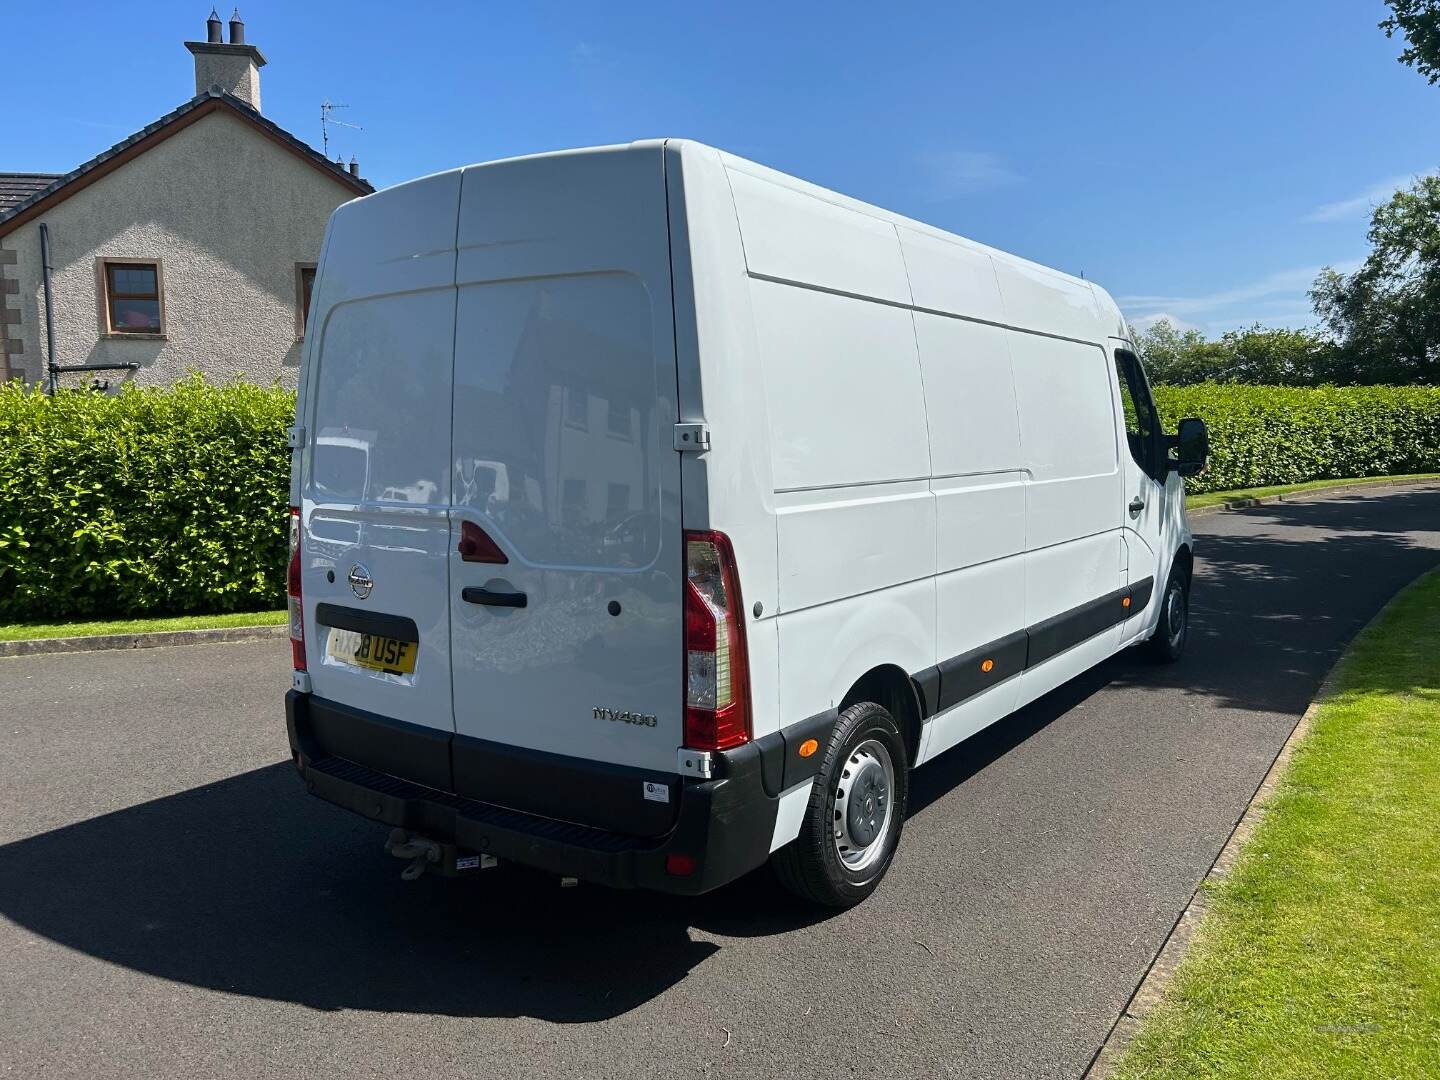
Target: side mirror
[1192, 446]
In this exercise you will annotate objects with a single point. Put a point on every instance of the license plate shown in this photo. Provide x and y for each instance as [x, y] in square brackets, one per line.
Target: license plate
[372, 651]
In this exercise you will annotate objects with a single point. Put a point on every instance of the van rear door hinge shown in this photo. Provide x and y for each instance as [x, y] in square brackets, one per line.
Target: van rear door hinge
[295, 437]
[692, 438]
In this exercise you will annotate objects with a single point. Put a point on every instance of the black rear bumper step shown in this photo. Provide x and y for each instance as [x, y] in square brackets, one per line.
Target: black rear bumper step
[476, 812]
[724, 824]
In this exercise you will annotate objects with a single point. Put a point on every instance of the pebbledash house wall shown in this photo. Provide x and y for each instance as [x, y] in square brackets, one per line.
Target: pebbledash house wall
[227, 212]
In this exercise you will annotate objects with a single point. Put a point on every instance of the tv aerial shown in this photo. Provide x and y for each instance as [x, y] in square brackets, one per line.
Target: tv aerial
[327, 108]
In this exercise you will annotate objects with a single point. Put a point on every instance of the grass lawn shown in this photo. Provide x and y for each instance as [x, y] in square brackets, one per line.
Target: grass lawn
[1320, 956]
[1210, 498]
[21, 631]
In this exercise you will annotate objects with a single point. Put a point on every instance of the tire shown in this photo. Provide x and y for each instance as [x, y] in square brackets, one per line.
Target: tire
[837, 871]
[1167, 644]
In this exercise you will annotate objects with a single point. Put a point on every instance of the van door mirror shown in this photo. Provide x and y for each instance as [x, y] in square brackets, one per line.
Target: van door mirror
[1192, 446]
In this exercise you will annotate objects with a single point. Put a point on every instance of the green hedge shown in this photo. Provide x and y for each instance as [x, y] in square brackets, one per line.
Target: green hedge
[1262, 435]
[149, 502]
[158, 502]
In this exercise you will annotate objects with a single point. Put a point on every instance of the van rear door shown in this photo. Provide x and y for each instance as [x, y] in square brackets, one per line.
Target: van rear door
[375, 480]
[565, 469]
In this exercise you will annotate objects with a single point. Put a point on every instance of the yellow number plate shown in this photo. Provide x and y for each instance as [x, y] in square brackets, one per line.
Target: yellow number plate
[372, 651]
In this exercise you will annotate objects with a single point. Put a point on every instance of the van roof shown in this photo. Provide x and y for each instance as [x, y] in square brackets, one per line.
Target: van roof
[1103, 299]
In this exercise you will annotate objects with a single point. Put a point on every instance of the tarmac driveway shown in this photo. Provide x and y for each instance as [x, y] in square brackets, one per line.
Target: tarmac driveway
[172, 903]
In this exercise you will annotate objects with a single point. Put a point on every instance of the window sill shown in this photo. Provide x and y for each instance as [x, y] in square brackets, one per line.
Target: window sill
[114, 336]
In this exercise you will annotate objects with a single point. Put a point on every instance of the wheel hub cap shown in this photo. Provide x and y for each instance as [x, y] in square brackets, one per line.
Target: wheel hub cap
[1175, 615]
[863, 805]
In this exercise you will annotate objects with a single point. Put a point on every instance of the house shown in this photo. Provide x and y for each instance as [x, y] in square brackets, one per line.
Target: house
[190, 245]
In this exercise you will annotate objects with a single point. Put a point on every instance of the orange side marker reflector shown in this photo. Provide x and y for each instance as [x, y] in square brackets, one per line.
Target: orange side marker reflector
[1125, 602]
[808, 747]
[986, 665]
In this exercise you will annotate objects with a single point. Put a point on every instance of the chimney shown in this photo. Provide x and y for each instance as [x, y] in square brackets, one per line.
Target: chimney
[354, 166]
[233, 67]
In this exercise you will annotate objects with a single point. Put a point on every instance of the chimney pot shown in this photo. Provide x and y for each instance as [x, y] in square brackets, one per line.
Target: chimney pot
[354, 166]
[234, 67]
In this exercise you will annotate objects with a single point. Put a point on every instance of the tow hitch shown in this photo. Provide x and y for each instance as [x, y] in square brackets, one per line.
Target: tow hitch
[426, 854]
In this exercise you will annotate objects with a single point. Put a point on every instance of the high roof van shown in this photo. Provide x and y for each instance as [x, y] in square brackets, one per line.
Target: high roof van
[654, 514]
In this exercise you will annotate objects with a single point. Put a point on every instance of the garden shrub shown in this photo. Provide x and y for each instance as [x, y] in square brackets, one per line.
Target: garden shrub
[149, 502]
[173, 501]
[1262, 435]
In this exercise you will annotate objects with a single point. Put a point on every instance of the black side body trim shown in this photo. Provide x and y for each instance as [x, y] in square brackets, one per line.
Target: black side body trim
[1140, 594]
[367, 622]
[953, 681]
[817, 727]
[1070, 628]
[964, 676]
[927, 688]
[593, 793]
[771, 749]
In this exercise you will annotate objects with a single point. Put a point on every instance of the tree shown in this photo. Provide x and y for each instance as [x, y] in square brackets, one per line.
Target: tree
[1280, 356]
[1256, 355]
[1419, 22]
[1386, 315]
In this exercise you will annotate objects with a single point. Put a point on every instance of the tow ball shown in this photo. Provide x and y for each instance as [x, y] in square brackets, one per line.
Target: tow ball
[424, 854]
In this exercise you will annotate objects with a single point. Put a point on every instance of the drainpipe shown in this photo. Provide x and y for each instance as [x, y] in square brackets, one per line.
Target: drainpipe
[53, 370]
[52, 380]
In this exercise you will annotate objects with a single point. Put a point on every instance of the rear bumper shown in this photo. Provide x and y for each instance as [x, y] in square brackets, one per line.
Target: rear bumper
[724, 824]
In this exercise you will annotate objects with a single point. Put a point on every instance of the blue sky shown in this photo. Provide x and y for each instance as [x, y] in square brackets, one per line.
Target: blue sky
[1199, 160]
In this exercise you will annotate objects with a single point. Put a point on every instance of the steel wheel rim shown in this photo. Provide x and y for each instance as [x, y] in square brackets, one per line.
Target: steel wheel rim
[864, 805]
[1175, 615]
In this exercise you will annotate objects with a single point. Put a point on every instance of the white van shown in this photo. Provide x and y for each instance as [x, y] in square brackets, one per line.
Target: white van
[698, 505]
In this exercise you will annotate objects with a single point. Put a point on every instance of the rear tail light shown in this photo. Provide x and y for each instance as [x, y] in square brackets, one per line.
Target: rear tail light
[679, 865]
[717, 672]
[292, 590]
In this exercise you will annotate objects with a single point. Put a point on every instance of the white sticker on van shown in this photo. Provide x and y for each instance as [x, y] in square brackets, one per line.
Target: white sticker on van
[657, 792]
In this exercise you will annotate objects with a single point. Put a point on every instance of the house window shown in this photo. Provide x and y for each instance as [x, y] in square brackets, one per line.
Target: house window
[304, 286]
[133, 303]
[577, 408]
[619, 421]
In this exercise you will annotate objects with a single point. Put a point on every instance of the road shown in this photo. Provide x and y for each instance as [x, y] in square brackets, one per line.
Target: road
[172, 904]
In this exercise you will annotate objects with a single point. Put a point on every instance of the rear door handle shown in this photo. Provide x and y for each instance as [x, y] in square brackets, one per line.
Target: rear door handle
[1136, 505]
[474, 594]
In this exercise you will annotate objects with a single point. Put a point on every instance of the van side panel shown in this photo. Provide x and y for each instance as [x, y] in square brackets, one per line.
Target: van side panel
[795, 236]
[847, 437]
[1074, 497]
[978, 483]
[720, 381]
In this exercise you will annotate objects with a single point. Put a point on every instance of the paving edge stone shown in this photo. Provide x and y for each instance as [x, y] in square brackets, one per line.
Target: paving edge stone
[1177, 942]
[1309, 493]
[103, 642]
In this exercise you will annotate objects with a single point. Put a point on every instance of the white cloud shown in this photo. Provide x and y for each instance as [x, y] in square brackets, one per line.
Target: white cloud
[1359, 206]
[1145, 322]
[956, 173]
[1278, 299]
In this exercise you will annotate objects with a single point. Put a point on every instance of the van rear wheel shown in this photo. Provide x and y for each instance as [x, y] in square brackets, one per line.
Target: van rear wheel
[856, 810]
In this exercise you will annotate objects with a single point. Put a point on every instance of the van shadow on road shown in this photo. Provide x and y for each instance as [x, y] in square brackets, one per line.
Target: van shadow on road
[250, 886]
